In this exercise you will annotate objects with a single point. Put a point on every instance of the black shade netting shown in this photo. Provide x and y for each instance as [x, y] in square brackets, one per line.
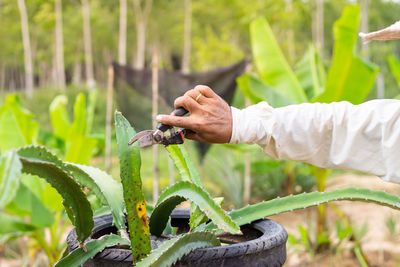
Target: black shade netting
[134, 90]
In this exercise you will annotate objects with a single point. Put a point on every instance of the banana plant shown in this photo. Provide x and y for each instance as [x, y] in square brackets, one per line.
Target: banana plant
[349, 77]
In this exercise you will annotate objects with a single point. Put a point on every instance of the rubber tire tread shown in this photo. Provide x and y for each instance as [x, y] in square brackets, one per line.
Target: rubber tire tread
[268, 250]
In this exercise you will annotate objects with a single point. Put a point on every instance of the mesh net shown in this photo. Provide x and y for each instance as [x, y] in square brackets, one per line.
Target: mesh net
[134, 90]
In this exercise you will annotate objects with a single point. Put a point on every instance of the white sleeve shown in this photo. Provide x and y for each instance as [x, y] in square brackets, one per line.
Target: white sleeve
[340, 135]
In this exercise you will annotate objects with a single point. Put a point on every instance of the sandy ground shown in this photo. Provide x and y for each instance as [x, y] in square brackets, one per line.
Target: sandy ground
[380, 248]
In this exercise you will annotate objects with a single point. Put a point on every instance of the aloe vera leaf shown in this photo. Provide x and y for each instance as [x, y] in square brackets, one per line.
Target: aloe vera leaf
[194, 173]
[184, 164]
[79, 256]
[106, 189]
[40, 162]
[176, 156]
[10, 175]
[197, 217]
[135, 203]
[149, 209]
[172, 250]
[180, 191]
[278, 205]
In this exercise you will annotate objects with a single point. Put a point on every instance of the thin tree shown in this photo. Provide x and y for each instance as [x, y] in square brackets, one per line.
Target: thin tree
[122, 32]
[59, 46]
[364, 26]
[87, 40]
[156, 178]
[318, 26]
[187, 37]
[290, 33]
[141, 17]
[27, 48]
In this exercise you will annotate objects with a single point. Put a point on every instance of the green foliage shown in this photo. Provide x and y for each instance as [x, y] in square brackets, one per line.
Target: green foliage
[28, 203]
[59, 116]
[180, 191]
[257, 91]
[14, 225]
[172, 250]
[310, 73]
[17, 126]
[10, 173]
[349, 77]
[392, 225]
[135, 204]
[394, 64]
[77, 144]
[271, 63]
[40, 162]
[79, 147]
[80, 256]
[106, 189]
[197, 217]
[290, 203]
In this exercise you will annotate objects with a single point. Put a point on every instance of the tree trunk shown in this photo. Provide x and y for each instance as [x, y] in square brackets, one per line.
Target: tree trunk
[122, 32]
[364, 27]
[187, 37]
[156, 178]
[318, 26]
[77, 73]
[87, 44]
[59, 46]
[2, 76]
[27, 49]
[141, 16]
[109, 117]
[290, 33]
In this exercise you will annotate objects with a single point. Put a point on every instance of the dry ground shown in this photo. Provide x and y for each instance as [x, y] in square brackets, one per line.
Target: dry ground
[380, 248]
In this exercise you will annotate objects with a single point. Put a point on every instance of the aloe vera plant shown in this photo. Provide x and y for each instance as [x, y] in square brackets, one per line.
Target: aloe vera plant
[71, 179]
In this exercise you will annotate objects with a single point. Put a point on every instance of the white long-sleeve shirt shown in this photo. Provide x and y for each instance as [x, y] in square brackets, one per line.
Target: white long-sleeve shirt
[340, 135]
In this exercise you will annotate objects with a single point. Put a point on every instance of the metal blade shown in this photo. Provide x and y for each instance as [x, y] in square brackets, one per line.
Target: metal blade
[140, 135]
[147, 140]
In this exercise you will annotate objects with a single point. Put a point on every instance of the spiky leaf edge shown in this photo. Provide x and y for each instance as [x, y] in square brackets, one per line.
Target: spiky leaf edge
[172, 250]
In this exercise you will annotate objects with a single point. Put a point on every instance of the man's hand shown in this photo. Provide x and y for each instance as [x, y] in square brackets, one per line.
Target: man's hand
[210, 116]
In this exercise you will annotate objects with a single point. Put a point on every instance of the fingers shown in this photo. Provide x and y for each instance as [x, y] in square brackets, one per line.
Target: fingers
[183, 122]
[195, 136]
[205, 91]
[186, 102]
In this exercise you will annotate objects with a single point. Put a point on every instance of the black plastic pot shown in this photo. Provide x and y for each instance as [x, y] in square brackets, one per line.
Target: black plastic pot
[263, 243]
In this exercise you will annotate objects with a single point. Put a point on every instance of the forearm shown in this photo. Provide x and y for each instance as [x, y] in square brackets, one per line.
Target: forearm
[362, 137]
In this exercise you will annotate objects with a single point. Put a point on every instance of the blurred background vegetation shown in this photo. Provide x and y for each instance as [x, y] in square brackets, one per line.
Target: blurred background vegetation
[50, 48]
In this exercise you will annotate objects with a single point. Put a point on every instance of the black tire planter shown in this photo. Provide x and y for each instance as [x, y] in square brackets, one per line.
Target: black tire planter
[263, 243]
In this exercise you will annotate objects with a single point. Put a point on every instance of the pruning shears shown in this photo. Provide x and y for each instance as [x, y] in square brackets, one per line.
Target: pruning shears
[151, 137]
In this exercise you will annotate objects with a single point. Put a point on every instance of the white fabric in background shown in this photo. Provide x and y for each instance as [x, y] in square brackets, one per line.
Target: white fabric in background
[340, 135]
